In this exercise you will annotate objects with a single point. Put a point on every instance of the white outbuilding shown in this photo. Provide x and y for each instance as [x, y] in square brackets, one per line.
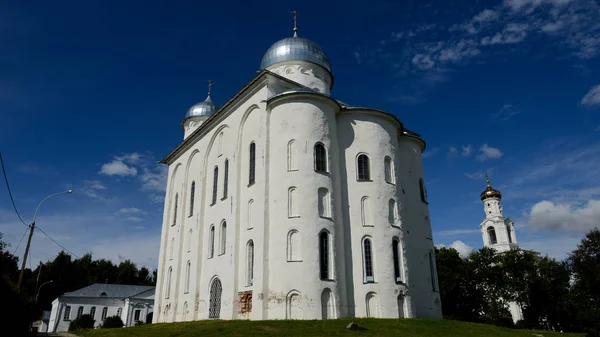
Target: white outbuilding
[286, 203]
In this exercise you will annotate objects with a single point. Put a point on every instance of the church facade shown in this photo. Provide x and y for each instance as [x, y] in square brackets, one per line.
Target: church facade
[285, 203]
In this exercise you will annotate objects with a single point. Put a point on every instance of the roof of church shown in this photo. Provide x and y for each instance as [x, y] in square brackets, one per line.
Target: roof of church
[109, 290]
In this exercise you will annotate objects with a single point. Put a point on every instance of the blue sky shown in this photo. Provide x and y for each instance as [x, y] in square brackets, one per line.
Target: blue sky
[92, 94]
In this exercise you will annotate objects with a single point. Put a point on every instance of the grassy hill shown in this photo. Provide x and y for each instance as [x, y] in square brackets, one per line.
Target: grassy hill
[368, 327]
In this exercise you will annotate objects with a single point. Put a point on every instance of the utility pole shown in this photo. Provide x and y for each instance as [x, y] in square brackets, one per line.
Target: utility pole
[31, 228]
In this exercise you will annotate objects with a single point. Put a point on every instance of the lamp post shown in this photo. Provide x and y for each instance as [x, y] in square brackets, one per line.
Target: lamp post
[38, 291]
[31, 228]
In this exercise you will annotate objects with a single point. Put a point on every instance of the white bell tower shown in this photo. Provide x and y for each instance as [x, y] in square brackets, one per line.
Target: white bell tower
[497, 231]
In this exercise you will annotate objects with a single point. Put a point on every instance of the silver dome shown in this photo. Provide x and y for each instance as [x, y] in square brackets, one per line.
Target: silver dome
[295, 49]
[204, 109]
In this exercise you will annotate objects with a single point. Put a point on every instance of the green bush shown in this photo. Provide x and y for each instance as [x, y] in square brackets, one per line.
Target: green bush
[82, 322]
[138, 322]
[112, 322]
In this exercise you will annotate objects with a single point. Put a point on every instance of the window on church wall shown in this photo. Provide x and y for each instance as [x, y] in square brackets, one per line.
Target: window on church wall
[292, 202]
[492, 235]
[186, 288]
[104, 313]
[324, 203]
[365, 211]
[320, 158]
[250, 206]
[215, 185]
[119, 311]
[292, 159]
[324, 255]
[225, 178]
[390, 176]
[396, 257]
[192, 197]
[223, 244]
[392, 212]
[363, 169]
[172, 249]
[93, 312]
[432, 271]
[252, 164]
[423, 190]
[220, 144]
[250, 263]
[167, 291]
[368, 261]
[509, 233]
[67, 314]
[189, 241]
[175, 209]
[136, 314]
[294, 246]
[211, 243]
[79, 311]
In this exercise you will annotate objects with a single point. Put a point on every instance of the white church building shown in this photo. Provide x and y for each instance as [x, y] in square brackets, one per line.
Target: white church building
[286, 203]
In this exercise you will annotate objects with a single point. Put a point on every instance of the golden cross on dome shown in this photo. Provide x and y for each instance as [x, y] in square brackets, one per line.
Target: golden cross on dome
[487, 179]
[210, 84]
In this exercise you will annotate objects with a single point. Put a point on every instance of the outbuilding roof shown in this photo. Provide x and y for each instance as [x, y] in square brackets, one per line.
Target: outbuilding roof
[109, 290]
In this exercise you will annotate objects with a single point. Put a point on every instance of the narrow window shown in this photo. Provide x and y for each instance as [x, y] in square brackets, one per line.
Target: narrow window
[508, 232]
[366, 211]
[168, 292]
[223, 238]
[172, 249]
[104, 313]
[368, 260]
[251, 170]
[432, 271]
[136, 315]
[324, 203]
[189, 241]
[215, 182]
[250, 205]
[292, 156]
[93, 312]
[294, 246]
[492, 235]
[225, 178]
[119, 311]
[175, 209]
[392, 212]
[186, 288]
[363, 168]
[324, 255]
[292, 201]
[320, 158]
[423, 190]
[79, 311]
[211, 244]
[67, 313]
[250, 263]
[396, 254]
[192, 196]
[220, 143]
[389, 170]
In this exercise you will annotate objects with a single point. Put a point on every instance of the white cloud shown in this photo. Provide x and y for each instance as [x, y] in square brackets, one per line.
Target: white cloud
[475, 175]
[512, 33]
[506, 112]
[357, 57]
[555, 247]
[530, 5]
[117, 168]
[592, 98]
[466, 150]
[546, 215]
[430, 153]
[95, 184]
[155, 178]
[129, 211]
[488, 152]
[423, 61]
[462, 50]
[462, 248]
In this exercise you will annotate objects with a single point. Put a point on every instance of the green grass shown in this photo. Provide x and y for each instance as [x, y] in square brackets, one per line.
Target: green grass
[368, 327]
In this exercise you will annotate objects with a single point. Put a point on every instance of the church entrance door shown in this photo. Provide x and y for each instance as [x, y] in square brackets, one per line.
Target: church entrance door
[214, 310]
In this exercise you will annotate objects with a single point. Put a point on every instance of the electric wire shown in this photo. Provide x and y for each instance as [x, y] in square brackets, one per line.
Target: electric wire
[9, 192]
[22, 236]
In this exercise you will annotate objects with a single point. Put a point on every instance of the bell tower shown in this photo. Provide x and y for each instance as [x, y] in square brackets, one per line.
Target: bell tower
[497, 231]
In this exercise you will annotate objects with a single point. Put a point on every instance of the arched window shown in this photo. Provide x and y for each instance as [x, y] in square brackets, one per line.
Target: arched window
[223, 238]
[492, 235]
[192, 196]
[79, 311]
[292, 202]
[372, 305]
[211, 243]
[324, 255]
[396, 255]
[172, 249]
[320, 158]
[93, 312]
[168, 290]
[252, 166]
[423, 190]
[185, 309]
[509, 233]
[189, 241]
[250, 263]
[225, 178]
[432, 271]
[67, 314]
[250, 206]
[392, 212]
[215, 182]
[220, 144]
[368, 260]
[292, 163]
[104, 313]
[294, 246]
[186, 288]
[327, 304]
[365, 208]
[324, 203]
[175, 209]
[214, 307]
[389, 170]
[363, 167]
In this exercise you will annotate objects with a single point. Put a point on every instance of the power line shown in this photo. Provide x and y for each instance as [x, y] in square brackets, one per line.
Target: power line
[9, 192]
[25, 232]
[63, 247]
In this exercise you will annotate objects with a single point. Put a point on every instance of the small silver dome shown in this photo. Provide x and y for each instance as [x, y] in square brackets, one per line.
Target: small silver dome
[295, 49]
[205, 109]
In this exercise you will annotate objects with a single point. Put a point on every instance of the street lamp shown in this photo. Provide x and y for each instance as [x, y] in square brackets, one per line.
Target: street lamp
[38, 291]
[32, 227]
